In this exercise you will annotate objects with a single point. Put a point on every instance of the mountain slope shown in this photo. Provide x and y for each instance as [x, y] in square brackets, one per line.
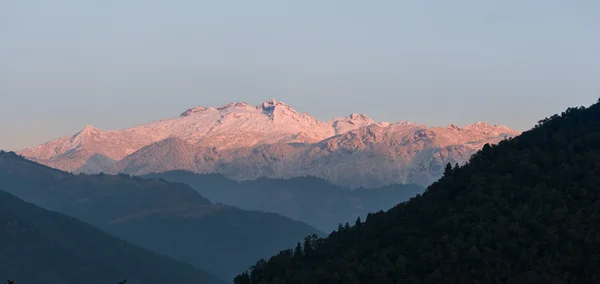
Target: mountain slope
[524, 211]
[272, 140]
[40, 246]
[371, 156]
[169, 218]
[229, 126]
[307, 199]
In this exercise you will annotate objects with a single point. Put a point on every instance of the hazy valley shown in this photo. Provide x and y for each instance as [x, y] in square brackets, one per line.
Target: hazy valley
[308, 199]
[169, 218]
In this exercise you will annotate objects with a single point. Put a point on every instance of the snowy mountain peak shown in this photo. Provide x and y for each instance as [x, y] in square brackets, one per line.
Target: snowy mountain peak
[282, 111]
[483, 127]
[287, 141]
[267, 107]
[235, 105]
[88, 129]
[362, 117]
[194, 110]
[271, 104]
[453, 127]
[480, 124]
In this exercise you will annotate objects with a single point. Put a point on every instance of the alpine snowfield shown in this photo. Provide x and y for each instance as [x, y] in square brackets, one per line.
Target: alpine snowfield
[272, 140]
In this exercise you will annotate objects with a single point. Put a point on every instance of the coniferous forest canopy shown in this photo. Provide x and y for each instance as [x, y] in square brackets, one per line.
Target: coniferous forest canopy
[524, 211]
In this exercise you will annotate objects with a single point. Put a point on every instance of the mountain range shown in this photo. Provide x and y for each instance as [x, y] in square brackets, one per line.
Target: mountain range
[526, 210]
[273, 140]
[169, 218]
[40, 246]
[308, 199]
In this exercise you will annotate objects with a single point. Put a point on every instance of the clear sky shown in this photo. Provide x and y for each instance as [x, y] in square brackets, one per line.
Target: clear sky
[115, 64]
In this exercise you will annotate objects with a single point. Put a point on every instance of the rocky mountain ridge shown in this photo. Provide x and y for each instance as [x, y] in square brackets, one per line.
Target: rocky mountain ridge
[272, 140]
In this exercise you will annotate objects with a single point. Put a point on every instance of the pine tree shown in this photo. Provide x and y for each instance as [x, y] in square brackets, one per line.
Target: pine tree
[243, 278]
[298, 250]
[447, 170]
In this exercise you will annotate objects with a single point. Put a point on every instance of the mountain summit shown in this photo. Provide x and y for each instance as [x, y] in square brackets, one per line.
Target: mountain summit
[272, 139]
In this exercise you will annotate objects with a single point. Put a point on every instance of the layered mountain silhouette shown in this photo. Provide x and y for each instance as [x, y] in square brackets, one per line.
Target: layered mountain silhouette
[168, 218]
[40, 246]
[308, 199]
[524, 211]
[272, 140]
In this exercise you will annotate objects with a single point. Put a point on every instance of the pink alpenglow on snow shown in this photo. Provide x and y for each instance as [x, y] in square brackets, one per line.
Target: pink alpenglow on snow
[272, 140]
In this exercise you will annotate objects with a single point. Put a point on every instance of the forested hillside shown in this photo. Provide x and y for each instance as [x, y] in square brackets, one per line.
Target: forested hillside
[524, 211]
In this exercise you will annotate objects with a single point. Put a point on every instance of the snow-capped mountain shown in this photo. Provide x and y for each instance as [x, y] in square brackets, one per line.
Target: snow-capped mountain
[272, 140]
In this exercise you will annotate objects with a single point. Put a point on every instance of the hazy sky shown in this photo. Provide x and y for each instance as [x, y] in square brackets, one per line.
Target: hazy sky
[114, 64]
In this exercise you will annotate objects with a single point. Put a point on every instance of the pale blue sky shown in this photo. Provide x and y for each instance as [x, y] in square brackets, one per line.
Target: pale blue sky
[114, 64]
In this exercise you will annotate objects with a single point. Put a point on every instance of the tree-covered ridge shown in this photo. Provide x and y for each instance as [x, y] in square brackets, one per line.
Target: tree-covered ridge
[309, 199]
[524, 211]
[40, 246]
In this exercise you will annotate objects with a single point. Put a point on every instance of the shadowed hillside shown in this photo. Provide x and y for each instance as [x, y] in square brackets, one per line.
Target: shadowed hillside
[524, 211]
[40, 246]
[307, 199]
[169, 218]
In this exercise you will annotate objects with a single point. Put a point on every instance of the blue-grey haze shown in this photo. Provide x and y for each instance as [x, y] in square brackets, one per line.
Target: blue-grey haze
[114, 64]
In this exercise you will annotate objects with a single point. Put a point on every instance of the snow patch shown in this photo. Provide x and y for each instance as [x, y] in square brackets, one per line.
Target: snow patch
[193, 110]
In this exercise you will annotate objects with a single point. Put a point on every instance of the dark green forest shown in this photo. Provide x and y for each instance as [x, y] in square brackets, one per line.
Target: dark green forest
[165, 217]
[524, 211]
[312, 200]
[40, 246]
